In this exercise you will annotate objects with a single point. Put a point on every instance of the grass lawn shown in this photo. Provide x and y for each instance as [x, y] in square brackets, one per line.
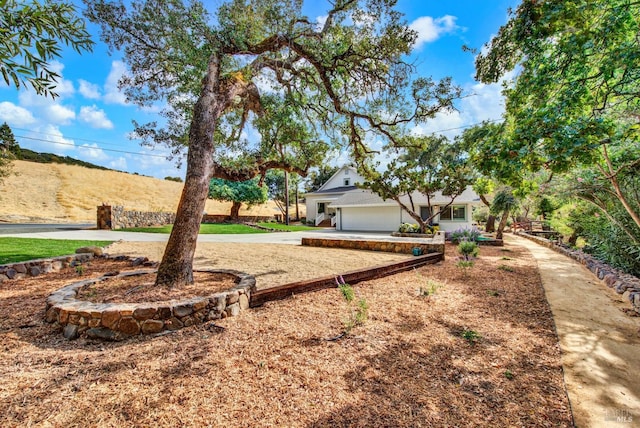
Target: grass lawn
[220, 228]
[280, 226]
[21, 249]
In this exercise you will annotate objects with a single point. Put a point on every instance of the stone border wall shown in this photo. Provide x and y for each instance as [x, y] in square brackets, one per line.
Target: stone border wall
[116, 321]
[116, 217]
[391, 246]
[260, 297]
[40, 266]
[621, 282]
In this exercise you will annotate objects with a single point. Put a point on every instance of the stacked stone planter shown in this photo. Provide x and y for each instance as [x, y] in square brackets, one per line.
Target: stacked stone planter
[40, 266]
[621, 282]
[115, 321]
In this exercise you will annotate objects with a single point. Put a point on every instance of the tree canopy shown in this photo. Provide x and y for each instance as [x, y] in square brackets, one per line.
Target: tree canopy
[263, 67]
[238, 192]
[427, 165]
[32, 35]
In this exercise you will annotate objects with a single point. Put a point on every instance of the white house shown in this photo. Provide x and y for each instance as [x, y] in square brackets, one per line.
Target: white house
[318, 203]
[343, 205]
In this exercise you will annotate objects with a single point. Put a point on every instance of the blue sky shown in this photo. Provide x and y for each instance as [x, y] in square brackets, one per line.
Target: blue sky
[91, 120]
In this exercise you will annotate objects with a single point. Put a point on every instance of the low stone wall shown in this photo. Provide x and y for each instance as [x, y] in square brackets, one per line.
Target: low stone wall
[116, 217]
[391, 246]
[40, 266]
[116, 321]
[621, 282]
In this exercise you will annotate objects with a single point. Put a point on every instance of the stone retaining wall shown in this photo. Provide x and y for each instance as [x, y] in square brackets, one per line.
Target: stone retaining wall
[116, 217]
[621, 282]
[391, 246]
[40, 266]
[116, 321]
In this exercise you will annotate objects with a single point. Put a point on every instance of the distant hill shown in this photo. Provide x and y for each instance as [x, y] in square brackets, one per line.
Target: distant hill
[31, 156]
[55, 192]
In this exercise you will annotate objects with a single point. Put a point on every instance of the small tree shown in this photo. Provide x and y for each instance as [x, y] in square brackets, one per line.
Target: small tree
[9, 148]
[238, 192]
[427, 165]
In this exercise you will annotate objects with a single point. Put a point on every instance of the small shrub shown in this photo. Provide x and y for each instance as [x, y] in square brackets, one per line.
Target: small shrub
[429, 289]
[468, 251]
[79, 270]
[508, 374]
[471, 336]
[465, 235]
[357, 315]
[409, 228]
[494, 293]
[505, 268]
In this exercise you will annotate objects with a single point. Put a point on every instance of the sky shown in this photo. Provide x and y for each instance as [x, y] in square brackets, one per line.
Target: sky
[91, 120]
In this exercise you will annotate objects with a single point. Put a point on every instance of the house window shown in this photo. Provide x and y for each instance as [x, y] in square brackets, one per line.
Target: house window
[346, 172]
[346, 182]
[320, 207]
[454, 213]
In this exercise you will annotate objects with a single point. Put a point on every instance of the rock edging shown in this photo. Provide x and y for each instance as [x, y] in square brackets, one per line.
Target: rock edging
[19, 270]
[116, 321]
[620, 281]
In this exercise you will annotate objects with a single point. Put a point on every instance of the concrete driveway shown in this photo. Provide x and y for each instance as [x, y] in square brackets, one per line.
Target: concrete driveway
[292, 238]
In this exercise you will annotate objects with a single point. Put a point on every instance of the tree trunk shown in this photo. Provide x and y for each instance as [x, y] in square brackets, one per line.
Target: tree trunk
[502, 224]
[286, 198]
[491, 224]
[297, 207]
[235, 210]
[176, 268]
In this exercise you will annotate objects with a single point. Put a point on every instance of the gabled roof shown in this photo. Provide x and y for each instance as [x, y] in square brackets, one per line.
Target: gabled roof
[322, 188]
[365, 197]
[334, 190]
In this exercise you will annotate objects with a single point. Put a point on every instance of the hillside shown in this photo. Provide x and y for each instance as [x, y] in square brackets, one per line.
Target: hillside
[67, 193]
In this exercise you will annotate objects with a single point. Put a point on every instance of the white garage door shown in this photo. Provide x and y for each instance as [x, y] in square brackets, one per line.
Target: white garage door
[378, 219]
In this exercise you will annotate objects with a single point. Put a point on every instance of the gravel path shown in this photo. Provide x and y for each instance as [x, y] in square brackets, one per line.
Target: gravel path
[600, 343]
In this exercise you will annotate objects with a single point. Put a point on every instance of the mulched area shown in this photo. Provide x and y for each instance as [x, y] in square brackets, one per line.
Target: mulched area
[481, 351]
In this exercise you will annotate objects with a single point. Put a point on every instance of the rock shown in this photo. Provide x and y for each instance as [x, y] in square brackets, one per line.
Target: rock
[96, 251]
[173, 323]
[244, 302]
[139, 261]
[144, 313]
[20, 268]
[70, 331]
[11, 273]
[152, 326]
[110, 319]
[183, 310]
[102, 333]
[233, 310]
[232, 297]
[34, 271]
[128, 325]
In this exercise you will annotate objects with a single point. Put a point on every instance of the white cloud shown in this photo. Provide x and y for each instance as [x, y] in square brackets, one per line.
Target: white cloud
[93, 152]
[321, 20]
[47, 139]
[89, 90]
[15, 115]
[95, 117]
[112, 94]
[119, 164]
[430, 29]
[59, 114]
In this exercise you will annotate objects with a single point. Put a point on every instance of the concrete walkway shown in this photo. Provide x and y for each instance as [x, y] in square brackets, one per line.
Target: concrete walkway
[600, 344]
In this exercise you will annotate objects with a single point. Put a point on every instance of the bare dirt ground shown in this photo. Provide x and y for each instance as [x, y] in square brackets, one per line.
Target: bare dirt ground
[481, 351]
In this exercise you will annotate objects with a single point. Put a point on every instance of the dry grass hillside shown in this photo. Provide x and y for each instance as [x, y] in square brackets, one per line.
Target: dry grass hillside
[67, 193]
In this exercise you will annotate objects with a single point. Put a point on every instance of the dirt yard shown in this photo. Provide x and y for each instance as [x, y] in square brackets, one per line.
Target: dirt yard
[481, 350]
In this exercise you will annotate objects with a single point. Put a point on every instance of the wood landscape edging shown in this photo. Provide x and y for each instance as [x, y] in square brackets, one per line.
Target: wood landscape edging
[280, 292]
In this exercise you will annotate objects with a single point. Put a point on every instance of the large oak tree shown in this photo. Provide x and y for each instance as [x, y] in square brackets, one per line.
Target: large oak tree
[215, 72]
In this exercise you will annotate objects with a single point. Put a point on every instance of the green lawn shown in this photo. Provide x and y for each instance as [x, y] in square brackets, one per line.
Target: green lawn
[221, 228]
[292, 228]
[21, 249]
